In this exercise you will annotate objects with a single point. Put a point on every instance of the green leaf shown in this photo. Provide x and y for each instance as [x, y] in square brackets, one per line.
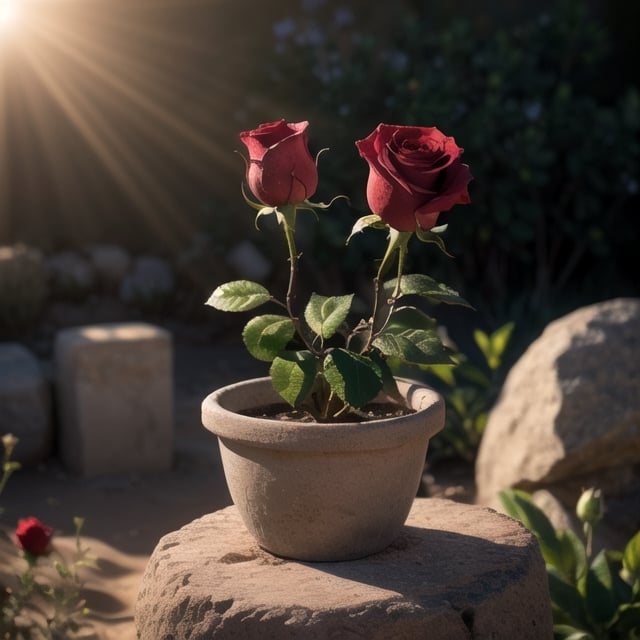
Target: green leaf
[599, 590]
[519, 504]
[239, 295]
[419, 346]
[324, 315]
[500, 338]
[266, 336]
[418, 284]
[627, 620]
[567, 632]
[568, 604]
[355, 379]
[631, 556]
[483, 342]
[493, 346]
[573, 557]
[293, 374]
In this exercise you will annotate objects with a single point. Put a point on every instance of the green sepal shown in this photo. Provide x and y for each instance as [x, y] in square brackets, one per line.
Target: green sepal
[293, 374]
[238, 295]
[355, 379]
[433, 237]
[252, 203]
[418, 284]
[324, 315]
[365, 222]
[266, 336]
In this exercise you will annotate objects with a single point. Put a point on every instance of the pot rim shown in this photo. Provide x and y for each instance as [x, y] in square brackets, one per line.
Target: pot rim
[219, 415]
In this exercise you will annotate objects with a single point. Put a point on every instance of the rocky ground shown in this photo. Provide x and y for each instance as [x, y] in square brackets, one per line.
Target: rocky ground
[125, 515]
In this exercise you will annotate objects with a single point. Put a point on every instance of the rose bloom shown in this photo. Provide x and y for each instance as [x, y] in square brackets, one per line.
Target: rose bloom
[33, 536]
[414, 174]
[280, 170]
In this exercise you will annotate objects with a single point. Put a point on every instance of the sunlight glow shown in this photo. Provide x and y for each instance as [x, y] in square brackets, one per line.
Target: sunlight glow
[100, 106]
[9, 11]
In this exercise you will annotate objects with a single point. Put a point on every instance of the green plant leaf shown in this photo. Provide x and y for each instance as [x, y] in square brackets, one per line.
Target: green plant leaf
[519, 505]
[627, 620]
[483, 342]
[568, 605]
[266, 336]
[413, 346]
[418, 284]
[404, 318]
[324, 315]
[500, 338]
[573, 557]
[293, 374]
[355, 379]
[567, 632]
[239, 295]
[599, 590]
[631, 556]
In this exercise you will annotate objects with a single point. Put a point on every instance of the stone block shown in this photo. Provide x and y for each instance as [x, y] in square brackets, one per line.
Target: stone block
[115, 398]
[25, 403]
[455, 571]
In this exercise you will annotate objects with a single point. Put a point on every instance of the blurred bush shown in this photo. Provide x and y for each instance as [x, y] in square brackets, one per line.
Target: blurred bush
[553, 146]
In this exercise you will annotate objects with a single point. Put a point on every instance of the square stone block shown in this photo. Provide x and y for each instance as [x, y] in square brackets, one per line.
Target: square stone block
[115, 398]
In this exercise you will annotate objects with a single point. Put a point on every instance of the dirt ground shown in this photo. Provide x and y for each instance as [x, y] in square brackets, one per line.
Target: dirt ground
[126, 515]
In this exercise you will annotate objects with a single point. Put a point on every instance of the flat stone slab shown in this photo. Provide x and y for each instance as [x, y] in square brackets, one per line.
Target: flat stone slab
[455, 572]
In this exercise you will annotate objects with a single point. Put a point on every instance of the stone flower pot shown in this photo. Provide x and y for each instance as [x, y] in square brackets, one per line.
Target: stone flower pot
[321, 492]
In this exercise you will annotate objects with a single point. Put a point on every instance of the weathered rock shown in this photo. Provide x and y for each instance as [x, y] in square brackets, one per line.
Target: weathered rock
[72, 276]
[25, 403]
[150, 281]
[248, 262]
[569, 413]
[456, 571]
[115, 398]
[23, 287]
[110, 262]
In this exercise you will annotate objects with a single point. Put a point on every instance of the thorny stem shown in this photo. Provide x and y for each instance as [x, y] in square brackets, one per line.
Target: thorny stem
[398, 244]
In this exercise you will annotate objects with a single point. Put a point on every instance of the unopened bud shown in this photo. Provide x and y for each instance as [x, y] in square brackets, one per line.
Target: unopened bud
[590, 506]
[9, 441]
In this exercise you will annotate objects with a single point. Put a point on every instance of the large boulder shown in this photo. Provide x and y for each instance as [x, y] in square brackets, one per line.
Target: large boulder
[568, 416]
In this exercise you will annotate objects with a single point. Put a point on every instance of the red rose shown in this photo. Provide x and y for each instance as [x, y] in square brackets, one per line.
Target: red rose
[281, 169]
[414, 174]
[33, 536]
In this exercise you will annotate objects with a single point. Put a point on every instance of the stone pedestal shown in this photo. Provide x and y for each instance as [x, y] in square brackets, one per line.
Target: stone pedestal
[455, 572]
[115, 398]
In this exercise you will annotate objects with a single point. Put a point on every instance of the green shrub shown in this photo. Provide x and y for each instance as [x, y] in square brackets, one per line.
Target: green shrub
[593, 598]
[554, 151]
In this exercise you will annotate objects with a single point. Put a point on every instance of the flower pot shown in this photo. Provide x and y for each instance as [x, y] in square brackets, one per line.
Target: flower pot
[321, 492]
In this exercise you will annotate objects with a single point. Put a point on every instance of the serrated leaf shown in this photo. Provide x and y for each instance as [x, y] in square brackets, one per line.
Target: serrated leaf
[293, 374]
[355, 379]
[266, 336]
[239, 295]
[413, 346]
[418, 284]
[631, 556]
[325, 315]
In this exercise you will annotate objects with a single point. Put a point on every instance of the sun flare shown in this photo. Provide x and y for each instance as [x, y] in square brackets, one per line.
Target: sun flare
[105, 106]
[9, 11]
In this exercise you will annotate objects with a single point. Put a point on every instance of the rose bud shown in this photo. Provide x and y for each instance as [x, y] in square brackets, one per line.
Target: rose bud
[33, 536]
[280, 169]
[590, 506]
[414, 174]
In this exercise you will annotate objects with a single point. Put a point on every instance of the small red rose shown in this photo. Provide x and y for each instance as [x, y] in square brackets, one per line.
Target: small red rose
[280, 170]
[415, 173]
[33, 536]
